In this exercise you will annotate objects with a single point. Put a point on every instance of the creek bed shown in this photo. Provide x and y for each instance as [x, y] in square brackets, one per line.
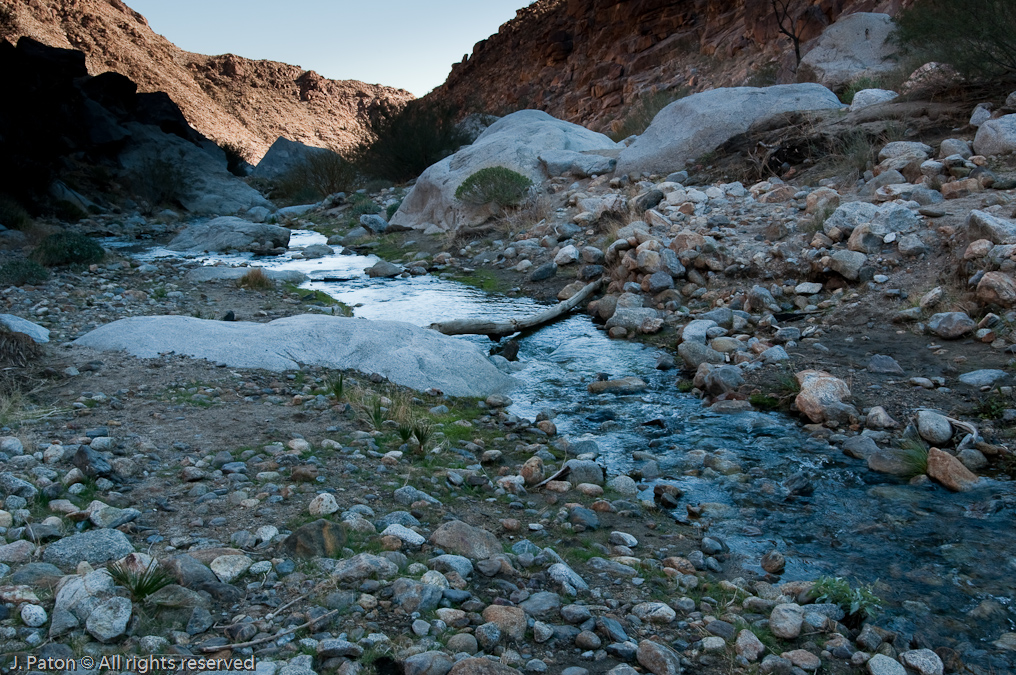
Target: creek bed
[945, 561]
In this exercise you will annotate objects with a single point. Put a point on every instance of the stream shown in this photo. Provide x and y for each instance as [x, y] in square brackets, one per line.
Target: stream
[945, 561]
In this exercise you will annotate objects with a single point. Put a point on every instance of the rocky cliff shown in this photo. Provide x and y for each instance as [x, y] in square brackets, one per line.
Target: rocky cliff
[227, 98]
[586, 60]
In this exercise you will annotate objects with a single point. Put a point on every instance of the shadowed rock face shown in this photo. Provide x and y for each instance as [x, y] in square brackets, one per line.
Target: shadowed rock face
[405, 354]
[227, 97]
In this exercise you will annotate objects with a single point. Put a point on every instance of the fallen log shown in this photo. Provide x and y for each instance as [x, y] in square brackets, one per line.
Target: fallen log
[499, 329]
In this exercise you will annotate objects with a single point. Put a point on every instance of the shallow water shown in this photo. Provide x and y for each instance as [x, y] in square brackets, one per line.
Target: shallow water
[951, 552]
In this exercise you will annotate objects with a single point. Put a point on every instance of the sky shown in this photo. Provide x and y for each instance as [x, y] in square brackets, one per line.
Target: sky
[410, 44]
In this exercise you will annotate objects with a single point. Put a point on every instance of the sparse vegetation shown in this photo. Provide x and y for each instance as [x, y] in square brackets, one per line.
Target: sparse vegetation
[255, 280]
[858, 602]
[788, 14]
[67, 248]
[12, 214]
[17, 349]
[495, 185]
[978, 39]
[991, 406]
[338, 387]
[914, 454]
[22, 271]
[857, 85]
[140, 583]
[319, 175]
[642, 112]
[392, 208]
[157, 183]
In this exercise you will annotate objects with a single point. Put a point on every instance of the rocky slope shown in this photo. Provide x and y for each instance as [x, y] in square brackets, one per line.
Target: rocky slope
[585, 61]
[227, 97]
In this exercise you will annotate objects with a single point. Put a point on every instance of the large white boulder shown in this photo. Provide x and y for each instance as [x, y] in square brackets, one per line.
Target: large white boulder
[697, 124]
[406, 354]
[229, 233]
[855, 46]
[996, 137]
[515, 141]
[206, 187]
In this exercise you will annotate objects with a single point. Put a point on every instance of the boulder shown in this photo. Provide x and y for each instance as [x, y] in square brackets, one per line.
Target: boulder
[996, 136]
[229, 233]
[16, 324]
[463, 539]
[847, 263]
[983, 225]
[285, 155]
[855, 46]
[515, 141]
[869, 97]
[658, 659]
[951, 325]
[697, 124]
[93, 546]
[405, 354]
[997, 288]
[207, 187]
[933, 427]
[819, 392]
[848, 216]
[949, 471]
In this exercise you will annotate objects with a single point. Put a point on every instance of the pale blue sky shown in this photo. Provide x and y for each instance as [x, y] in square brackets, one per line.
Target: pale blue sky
[400, 43]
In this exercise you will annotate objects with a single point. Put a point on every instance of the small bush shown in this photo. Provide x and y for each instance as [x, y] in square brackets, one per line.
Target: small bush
[17, 349]
[364, 207]
[857, 85]
[67, 248]
[13, 215]
[496, 185]
[914, 454]
[642, 112]
[20, 272]
[392, 208]
[237, 157]
[976, 38]
[255, 280]
[859, 603]
[319, 175]
[140, 584]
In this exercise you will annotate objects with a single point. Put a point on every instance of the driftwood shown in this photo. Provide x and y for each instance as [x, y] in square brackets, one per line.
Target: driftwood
[498, 330]
[270, 638]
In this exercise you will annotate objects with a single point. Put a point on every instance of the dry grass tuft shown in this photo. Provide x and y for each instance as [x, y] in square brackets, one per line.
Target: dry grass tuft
[255, 280]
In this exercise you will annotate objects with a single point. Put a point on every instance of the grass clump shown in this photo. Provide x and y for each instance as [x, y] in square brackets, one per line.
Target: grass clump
[858, 602]
[338, 387]
[17, 349]
[914, 454]
[991, 407]
[21, 271]
[642, 112]
[495, 185]
[255, 280]
[978, 39]
[140, 583]
[13, 215]
[67, 248]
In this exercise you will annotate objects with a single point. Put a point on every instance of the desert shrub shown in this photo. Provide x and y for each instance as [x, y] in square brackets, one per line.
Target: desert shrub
[255, 280]
[316, 177]
[157, 182]
[362, 206]
[405, 140]
[140, 583]
[21, 271]
[976, 38]
[236, 157]
[66, 248]
[496, 185]
[13, 215]
[16, 349]
[642, 112]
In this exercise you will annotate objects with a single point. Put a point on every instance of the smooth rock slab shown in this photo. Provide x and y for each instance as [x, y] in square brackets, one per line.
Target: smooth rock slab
[16, 324]
[982, 378]
[405, 354]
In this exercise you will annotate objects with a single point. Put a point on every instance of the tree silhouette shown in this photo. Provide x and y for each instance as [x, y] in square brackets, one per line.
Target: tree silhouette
[785, 15]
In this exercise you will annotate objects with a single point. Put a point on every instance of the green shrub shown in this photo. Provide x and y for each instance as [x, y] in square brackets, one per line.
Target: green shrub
[976, 38]
[857, 85]
[405, 140]
[363, 207]
[914, 455]
[22, 271]
[65, 248]
[392, 208]
[496, 185]
[859, 603]
[13, 215]
[642, 112]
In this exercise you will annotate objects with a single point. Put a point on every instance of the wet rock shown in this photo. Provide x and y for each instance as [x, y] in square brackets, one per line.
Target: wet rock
[321, 538]
[820, 395]
[949, 471]
[625, 385]
[383, 269]
[860, 447]
[466, 540]
[773, 562]
[108, 621]
[890, 462]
